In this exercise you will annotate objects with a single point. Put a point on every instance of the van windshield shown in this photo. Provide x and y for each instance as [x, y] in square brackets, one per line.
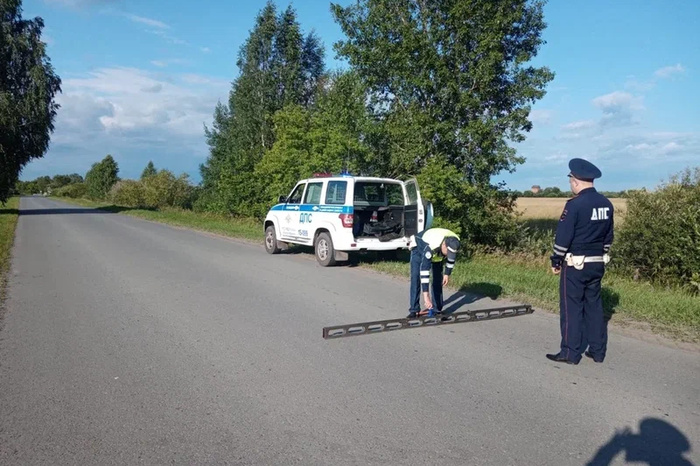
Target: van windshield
[372, 193]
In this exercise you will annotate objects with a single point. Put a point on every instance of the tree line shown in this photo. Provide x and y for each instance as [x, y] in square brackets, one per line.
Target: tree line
[554, 191]
[433, 90]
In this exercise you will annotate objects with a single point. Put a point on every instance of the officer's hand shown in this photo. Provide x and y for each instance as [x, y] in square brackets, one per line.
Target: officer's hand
[445, 280]
[428, 302]
[556, 270]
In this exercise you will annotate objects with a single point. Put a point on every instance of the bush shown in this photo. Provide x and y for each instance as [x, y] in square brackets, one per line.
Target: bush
[128, 193]
[164, 189]
[480, 215]
[660, 237]
[74, 191]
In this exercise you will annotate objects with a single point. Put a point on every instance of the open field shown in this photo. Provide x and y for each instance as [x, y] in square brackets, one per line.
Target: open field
[551, 207]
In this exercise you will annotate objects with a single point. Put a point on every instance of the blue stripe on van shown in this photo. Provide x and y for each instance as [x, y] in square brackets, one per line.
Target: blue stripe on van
[335, 209]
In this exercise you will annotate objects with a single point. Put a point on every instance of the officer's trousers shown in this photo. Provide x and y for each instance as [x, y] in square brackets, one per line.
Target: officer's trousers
[436, 289]
[581, 311]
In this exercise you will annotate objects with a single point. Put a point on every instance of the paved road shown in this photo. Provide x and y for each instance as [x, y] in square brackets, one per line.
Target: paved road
[129, 342]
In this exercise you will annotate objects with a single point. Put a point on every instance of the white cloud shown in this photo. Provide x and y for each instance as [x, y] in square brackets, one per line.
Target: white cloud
[579, 125]
[634, 84]
[668, 71]
[170, 61]
[148, 21]
[541, 116]
[638, 147]
[133, 114]
[619, 108]
[143, 100]
[205, 49]
[161, 33]
[618, 100]
[671, 148]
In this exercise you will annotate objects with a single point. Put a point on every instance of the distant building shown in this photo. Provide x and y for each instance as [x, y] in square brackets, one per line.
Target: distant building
[535, 189]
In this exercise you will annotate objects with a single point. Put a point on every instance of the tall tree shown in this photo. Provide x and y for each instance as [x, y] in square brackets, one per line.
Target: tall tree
[278, 66]
[101, 177]
[150, 170]
[450, 88]
[28, 85]
[448, 77]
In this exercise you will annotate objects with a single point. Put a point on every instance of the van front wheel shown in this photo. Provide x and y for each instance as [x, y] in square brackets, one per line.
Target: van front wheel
[325, 254]
[271, 240]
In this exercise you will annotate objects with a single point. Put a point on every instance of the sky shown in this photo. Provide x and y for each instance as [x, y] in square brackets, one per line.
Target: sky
[141, 79]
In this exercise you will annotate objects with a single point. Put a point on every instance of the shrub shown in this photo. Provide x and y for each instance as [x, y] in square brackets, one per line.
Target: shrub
[128, 193]
[74, 191]
[660, 237]
[164, 189]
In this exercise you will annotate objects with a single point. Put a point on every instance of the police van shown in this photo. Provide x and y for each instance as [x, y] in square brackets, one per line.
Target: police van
[341, 214]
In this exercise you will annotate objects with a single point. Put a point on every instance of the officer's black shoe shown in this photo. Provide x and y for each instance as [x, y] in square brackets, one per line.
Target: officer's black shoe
[559, 358]
[588, 354]
[412, 315]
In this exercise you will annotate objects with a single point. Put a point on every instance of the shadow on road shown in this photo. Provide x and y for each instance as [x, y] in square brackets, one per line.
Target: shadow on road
[657, 443]
[9, 212]
[112, 209]
[611, 299]
[469, 294]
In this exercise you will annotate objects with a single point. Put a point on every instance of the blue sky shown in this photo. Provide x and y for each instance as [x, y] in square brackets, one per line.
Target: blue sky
[141, 79]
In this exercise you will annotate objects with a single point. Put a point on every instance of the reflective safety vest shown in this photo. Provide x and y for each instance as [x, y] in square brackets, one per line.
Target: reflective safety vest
[434, 238]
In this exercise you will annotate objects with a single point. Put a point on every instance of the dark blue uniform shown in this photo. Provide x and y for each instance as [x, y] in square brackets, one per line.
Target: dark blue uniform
[584, 235]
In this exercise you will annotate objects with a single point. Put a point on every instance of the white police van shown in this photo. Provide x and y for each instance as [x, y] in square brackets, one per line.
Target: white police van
[340, 214]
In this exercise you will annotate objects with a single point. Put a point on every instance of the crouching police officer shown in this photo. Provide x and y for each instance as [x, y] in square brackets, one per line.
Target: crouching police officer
[583, 239]
[429, 249]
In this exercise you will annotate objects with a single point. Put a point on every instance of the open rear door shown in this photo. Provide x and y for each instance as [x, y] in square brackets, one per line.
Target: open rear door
[414, 212]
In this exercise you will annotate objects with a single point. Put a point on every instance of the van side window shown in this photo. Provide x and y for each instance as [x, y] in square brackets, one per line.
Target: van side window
[295, 197]
[335, 194]
[313, 193]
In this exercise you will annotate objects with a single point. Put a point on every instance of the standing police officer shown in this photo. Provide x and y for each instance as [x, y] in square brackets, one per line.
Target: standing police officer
[583, 239]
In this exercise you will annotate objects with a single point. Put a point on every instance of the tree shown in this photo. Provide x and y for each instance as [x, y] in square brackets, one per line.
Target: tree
[101, 177]
[28, 85]
[450, 73]
[278, 67]
[325, 138]
[450, 86]
[150, 170]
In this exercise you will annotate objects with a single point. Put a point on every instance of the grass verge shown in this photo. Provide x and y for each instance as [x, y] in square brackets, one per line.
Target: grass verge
[668, 312]
[213, 223]
[9, 213]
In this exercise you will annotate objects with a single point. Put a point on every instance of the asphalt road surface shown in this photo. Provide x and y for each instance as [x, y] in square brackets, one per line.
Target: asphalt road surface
[129, 342]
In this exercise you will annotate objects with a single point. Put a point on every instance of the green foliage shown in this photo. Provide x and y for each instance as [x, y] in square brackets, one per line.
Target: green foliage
[449, 90]
[74, 191]
[165, 190]
[127, 193]
[660, 237]
[448, 78]
[28, 85]
[101, 177]
[150, 170]
[278, 66]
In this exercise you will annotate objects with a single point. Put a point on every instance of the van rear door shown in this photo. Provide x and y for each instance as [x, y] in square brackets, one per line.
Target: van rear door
[414, 212]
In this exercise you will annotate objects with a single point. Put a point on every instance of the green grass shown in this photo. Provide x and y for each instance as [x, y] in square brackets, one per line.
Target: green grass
[213, 223]
[9, 214]
[669, 312]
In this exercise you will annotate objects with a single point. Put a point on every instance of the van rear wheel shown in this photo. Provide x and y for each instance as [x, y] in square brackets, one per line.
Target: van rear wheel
[325, 253]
